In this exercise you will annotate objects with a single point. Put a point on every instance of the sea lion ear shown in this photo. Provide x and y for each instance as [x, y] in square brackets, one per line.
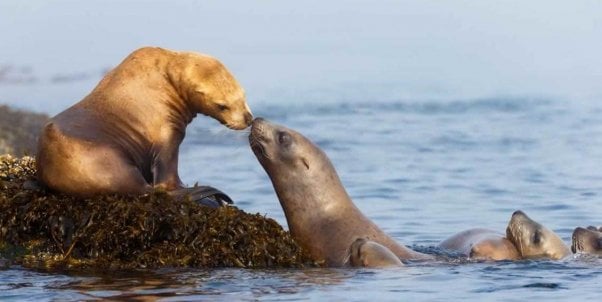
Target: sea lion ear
[305, 162]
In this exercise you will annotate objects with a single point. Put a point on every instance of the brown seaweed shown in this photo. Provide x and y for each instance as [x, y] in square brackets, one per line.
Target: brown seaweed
[42, 229]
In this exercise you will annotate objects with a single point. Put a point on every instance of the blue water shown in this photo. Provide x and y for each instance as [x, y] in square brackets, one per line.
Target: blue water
[422, 170]
[388, 91]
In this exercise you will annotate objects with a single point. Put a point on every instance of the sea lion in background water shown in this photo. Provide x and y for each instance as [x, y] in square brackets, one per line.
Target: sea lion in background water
[533, 240]
[320, 215]
[481, 244]
[124, 137]
[587, 240]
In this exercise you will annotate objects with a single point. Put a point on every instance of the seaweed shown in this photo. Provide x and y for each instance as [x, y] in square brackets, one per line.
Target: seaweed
[43, 229]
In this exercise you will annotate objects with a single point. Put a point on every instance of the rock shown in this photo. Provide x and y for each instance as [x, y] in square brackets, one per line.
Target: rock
[19, 131]
[121, 232]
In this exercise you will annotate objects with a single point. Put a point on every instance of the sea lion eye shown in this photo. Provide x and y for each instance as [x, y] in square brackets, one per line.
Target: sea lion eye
[284, 138]
[536, 238]
[222, 107]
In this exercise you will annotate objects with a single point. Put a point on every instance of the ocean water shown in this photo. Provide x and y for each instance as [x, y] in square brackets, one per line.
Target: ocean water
[420, 169]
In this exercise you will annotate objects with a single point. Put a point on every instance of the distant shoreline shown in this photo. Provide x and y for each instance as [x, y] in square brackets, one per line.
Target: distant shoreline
[19, 130]
[27, 75]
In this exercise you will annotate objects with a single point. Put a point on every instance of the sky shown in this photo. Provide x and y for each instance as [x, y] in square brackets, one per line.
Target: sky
[319, 51]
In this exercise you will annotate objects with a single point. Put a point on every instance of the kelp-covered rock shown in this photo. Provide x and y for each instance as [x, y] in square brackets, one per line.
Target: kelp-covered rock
[19, 130]
[43, 229]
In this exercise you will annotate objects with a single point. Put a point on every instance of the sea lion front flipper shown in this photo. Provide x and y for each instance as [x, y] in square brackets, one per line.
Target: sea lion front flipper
[367, 253]
[205, 195]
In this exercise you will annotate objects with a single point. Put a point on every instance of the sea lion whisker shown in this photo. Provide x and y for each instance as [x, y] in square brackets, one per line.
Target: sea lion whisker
[228, 131]
[578, 245]
[256, 144]
[347, 258]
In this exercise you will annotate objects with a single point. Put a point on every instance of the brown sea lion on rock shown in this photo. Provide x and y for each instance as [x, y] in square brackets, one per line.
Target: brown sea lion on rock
[320, 215]
[124, 137]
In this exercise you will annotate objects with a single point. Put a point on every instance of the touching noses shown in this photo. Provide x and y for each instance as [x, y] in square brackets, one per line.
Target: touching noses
[248, 118]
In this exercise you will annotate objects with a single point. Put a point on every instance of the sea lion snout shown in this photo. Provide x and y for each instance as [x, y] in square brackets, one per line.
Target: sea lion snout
[257, 129]
[586, 240]
[258, 121]
[239, 121]
[257, 137]
[518, 214]
[248, 118]
[577, 244]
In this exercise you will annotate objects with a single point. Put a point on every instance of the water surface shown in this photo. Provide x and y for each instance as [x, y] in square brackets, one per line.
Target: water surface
[422, 170]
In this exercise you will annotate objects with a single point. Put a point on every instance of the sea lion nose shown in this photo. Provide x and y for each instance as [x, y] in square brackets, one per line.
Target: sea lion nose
[256, 124]
[248, 118]
[578, 230]
[518, 213]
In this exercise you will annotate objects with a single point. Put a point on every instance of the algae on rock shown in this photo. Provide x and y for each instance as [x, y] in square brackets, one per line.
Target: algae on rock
[54, 230]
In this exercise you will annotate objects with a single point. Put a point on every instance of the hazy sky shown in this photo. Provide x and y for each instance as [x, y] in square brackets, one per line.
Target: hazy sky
[320, 50]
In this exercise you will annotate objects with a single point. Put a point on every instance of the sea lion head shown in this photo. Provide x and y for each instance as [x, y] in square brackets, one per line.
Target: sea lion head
[300, 171]
[587, 240]
[278, 146]
[209, 88]
[533, 240]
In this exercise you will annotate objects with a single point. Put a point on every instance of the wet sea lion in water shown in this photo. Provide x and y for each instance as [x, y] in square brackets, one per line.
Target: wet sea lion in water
[320, 215]
[533, 240]
[124, 137]
[481, 244]
[587, 240]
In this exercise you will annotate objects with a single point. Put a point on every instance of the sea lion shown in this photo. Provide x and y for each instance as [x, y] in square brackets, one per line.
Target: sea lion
[533, 240]
[481, 244]
[587, 240]
[320, 215]
[124, 137]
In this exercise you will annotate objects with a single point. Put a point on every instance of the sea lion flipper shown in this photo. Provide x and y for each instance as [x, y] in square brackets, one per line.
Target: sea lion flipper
[368, 253]
[207, 192]
[205, 195]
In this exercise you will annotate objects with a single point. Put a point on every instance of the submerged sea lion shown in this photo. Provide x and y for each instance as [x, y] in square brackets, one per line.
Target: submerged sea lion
[481, 244]
[533, 240]
[320, 215]
[587, 240]
[125, 135]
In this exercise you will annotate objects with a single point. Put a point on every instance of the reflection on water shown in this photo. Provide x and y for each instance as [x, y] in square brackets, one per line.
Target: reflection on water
[195, 284]
[422, 170]
[438, 281]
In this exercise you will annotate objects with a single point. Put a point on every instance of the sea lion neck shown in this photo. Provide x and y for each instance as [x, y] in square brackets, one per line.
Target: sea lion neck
[156, 71]
[315, 191]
